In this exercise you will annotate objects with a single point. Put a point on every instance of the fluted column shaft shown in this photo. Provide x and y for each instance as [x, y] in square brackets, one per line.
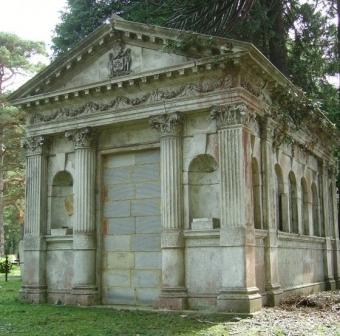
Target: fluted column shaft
[335, 227]
[328, 253]
[238, 292]
[272, 285]
[173, 295]
[85, 170]
[34, 273]
[84, 238]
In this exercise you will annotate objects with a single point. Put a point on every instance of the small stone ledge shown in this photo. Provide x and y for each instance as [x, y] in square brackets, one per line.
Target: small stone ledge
[261, 234]
[202, 238]
[201, 234]
[59, 242]
[313, 286]
[301, 238]
[55, 239]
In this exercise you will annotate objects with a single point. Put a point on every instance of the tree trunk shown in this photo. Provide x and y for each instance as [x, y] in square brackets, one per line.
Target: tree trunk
[2, 229]
[277, 43]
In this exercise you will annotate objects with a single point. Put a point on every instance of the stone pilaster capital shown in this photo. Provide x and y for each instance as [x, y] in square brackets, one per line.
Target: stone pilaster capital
[332, 170]
[169, 124]
[34, 145]
[231, 115]
[267, 128]
[82, 138]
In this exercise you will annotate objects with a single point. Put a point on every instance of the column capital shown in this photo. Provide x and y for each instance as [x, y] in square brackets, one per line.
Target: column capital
[82, 138]
[34, 145]
[231, 115]
[332, 169]
[169, 124]
[267, 127]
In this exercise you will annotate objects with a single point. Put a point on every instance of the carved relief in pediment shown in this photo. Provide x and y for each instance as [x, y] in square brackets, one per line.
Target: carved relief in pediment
[119, 63]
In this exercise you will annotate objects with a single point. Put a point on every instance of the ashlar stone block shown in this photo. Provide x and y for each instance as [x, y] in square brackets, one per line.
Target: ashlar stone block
[121, 226]
[148, 224]
[117, 243]
[119, 260]
[146, 243]
[148, 260]
[142, 278]
[145, 207]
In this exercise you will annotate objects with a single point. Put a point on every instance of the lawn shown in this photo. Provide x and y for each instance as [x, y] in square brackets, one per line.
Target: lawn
[18, 318]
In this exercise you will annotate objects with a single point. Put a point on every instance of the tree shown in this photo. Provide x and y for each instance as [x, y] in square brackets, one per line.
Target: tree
[15, 58]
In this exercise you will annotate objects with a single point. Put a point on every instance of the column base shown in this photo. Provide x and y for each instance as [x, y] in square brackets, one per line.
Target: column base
[337, 283]
[239, 300]
[274, 295]
[173, 299]
[85, 296]
[330, 284]
[33, 294]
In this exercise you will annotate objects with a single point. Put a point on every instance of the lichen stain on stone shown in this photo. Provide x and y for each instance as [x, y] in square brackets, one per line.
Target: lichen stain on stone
[105, 226]
[104, 193]
[69, 205]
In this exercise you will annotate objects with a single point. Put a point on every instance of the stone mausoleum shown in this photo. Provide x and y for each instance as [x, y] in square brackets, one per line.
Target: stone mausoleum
[159, 174]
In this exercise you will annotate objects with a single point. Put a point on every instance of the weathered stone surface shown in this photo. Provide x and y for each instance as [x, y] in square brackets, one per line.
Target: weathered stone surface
[181, 189]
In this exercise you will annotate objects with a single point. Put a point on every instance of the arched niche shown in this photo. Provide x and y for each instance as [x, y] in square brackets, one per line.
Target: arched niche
[293, 204]
[256, 193]
[204, 192]
[331, 211]
[62, 203]
[315, 207]
[304, 206]
[279, 199]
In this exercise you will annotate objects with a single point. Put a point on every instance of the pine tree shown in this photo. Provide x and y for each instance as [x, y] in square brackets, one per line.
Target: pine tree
[15, 58]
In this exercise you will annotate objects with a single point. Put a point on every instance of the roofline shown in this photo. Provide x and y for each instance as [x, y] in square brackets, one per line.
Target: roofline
[139, 29]
[61, 60]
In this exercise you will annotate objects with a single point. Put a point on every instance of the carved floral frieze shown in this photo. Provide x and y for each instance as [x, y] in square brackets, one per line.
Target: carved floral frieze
[122, 102]
[252, 83]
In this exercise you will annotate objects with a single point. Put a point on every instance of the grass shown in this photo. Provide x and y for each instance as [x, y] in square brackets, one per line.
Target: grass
[17, 318]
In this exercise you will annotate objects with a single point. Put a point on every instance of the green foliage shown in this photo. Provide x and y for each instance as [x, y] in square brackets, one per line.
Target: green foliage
[5, 265]
[15, 56]
[82, 17]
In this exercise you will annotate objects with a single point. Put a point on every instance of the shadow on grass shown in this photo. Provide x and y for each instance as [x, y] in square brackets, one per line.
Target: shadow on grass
[17, 318]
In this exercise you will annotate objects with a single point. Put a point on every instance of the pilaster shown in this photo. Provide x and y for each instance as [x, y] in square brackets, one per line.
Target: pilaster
[84, 240]
[173, 293]
[272, 285]
[237, 239]
[328, 253]
[335, 227]
[34, 286]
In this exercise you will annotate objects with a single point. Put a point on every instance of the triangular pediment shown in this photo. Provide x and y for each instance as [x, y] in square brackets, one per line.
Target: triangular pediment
[117, 59]
[125, 50]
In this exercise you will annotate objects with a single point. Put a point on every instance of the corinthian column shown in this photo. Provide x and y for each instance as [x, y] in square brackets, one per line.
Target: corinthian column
[333, 225]
[328, 252]
[34, 273]
[84, 239]
[173, 295]
[272, 285]
[238, 292]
